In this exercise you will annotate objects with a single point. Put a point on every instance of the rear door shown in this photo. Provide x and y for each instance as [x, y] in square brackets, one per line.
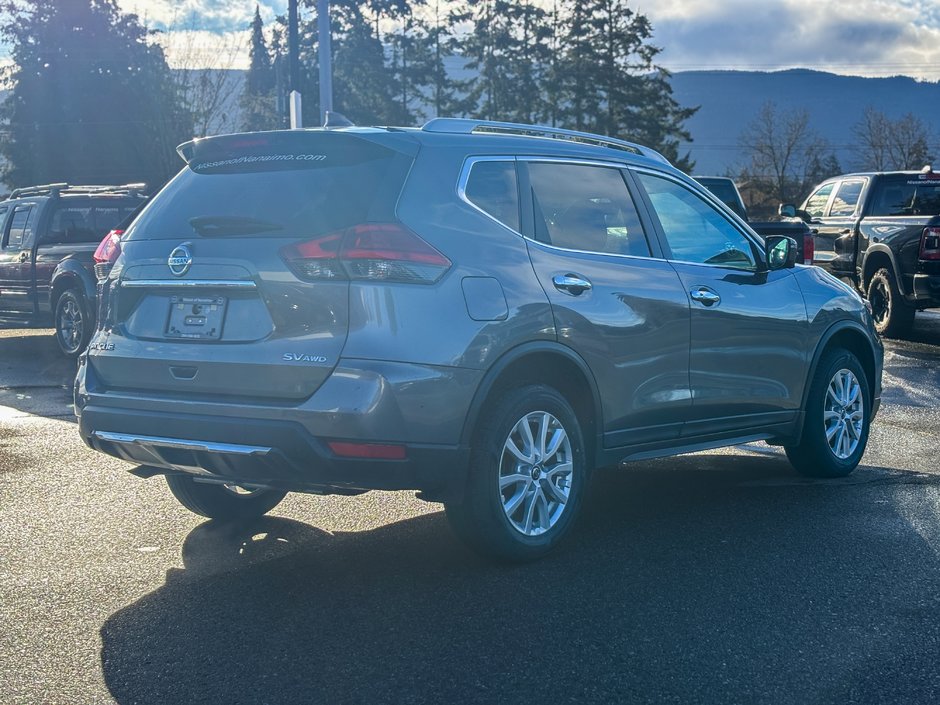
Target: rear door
[17, 283]
[622, 309]
[749, 332]
[229, 283]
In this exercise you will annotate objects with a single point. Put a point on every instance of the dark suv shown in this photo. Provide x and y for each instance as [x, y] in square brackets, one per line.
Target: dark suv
[49, 234]
[483, 312]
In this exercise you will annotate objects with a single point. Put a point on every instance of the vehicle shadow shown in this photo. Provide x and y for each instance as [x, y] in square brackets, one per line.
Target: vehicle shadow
[693, 579]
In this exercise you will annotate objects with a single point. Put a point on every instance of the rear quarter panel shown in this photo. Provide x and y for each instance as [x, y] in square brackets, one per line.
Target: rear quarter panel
[432, 324]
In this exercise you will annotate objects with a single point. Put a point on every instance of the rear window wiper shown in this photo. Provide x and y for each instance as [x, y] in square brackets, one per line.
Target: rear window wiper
[209, 225]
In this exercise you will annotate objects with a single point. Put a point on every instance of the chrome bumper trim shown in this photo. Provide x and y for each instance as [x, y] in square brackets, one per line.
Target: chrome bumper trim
[187, 284]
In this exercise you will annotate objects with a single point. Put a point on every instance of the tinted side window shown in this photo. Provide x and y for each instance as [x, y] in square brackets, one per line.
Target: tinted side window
[847, 197]
[816, 204]
[695, 231]
[19, 227]
[86, 221]
[492, 187]
[586, 208]
[72, 224]
[907, 195]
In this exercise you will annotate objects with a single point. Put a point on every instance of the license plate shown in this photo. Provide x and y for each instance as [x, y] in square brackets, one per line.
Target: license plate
[196, 317]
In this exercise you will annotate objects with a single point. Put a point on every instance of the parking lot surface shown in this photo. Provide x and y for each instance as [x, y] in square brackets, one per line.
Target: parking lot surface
[714, 577]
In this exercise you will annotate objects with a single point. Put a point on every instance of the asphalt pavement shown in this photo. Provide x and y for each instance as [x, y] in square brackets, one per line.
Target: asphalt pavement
[720, 577]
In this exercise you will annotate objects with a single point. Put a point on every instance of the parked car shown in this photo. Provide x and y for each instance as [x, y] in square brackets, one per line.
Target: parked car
[727, 192]
[483, 312]
[46, 268]
[880, 232]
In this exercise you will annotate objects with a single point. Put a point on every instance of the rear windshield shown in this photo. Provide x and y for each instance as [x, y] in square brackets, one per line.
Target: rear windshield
[87, 220]
[907, 194]
[288, 188]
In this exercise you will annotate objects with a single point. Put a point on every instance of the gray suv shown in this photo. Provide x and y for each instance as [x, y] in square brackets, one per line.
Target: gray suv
[482, 312]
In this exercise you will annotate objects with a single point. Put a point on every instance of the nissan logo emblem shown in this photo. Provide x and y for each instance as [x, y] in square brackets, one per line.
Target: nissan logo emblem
[180, 260]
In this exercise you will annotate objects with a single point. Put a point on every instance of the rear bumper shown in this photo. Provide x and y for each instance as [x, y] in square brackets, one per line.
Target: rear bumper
[927, 289]
[270, 453]
[420, 408]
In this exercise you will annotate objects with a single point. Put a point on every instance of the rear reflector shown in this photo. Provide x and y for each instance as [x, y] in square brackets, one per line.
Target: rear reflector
[809, 248]
[372, 252]
[930, 244]
[373, 451]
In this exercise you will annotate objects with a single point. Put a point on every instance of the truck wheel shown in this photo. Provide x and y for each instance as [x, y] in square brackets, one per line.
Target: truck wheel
[73, 327]
[893, 316]
[527, 476]
[836, 418]
[224, 502]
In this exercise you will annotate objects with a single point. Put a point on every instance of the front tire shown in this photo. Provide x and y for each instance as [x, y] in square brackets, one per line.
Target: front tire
[223, 502]
[893, 316]
[73, 326]
[528, 474]
[836, 420]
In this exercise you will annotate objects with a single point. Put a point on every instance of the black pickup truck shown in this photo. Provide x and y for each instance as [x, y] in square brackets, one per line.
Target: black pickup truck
[727, 192]
[880, 232]
[48, 236]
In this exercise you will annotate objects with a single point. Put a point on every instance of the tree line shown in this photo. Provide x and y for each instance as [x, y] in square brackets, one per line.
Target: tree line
[94, 100]
[583, 64]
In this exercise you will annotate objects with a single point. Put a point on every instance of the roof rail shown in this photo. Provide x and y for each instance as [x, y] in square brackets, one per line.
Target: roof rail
[56, 189]
[468, 127]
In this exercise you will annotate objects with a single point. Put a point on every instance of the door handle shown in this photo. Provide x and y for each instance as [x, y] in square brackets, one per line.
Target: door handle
[705, 296]
[24, 256]
[571, 284]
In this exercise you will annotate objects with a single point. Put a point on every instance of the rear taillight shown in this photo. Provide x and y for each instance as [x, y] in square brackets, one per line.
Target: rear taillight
[809, 248]
[387, 252]
[110, 248]
[930, 244]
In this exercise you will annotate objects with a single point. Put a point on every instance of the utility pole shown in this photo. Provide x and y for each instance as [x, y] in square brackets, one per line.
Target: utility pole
[326, 58]
[293, 60]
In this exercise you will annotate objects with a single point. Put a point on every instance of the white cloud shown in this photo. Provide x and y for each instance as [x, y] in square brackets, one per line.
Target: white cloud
[864, 37]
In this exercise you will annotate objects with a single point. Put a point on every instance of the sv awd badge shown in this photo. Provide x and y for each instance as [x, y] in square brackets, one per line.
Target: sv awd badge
[302, 357]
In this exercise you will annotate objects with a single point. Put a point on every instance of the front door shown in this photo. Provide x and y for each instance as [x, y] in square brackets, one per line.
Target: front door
[16, 262]
[614, 303]
[749, 331]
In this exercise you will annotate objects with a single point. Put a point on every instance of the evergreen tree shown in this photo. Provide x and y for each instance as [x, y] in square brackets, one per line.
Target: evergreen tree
[258, 101]
[609, 83]
[92, 98]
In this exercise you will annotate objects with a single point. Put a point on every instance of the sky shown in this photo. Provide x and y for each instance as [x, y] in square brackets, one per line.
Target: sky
[855, 37]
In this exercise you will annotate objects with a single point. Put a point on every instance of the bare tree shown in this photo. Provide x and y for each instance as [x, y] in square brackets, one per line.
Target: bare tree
[883, 144]
[786, 155]
[211, 94]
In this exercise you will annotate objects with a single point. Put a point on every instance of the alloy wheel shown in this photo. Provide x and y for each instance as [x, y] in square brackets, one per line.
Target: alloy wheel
[535, 473]
[880, 298]
[844, 414]
[71, 325]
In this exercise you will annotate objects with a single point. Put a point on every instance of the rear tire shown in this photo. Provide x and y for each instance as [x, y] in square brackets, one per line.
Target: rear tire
[528, 473]
[73, 325]
[893, 316]
[224, 502]
[836, 419]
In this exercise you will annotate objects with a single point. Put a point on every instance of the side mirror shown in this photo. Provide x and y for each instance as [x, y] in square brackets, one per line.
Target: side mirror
[786, 210]
[781, 252]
